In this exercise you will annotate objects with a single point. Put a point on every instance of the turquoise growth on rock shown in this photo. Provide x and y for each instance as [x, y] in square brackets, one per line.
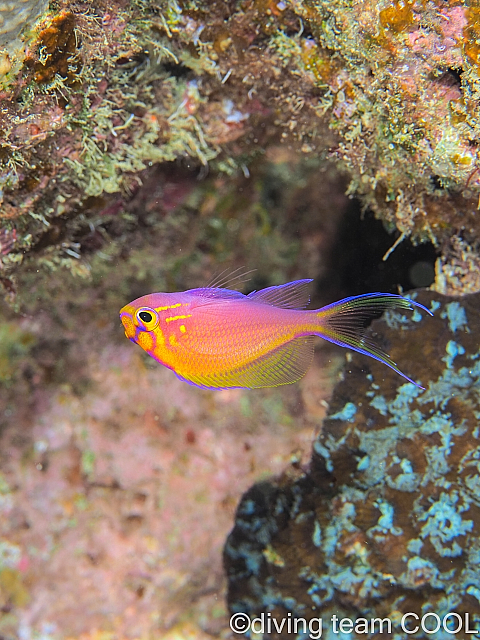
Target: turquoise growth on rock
[386, 521]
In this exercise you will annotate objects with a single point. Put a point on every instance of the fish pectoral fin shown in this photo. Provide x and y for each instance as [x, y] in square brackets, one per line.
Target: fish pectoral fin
[283, 365]
[292, 295]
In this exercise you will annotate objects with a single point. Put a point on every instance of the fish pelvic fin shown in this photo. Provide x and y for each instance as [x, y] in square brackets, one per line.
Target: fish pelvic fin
[345, 323]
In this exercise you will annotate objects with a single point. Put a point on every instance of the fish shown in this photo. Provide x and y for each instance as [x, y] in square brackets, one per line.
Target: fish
[218, 338]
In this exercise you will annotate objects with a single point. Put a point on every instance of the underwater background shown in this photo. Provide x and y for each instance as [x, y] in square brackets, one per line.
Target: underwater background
[149, 145]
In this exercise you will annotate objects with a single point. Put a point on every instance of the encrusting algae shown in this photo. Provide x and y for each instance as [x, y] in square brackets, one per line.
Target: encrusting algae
[107, 93]
[388, 90]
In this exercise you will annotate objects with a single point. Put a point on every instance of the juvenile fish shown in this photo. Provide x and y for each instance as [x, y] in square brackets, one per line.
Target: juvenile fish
[214, 337]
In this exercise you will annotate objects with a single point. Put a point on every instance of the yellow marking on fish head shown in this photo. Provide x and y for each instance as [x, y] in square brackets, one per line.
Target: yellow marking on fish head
[182, 328]
[172, 318]
[173, 340]
[170, 306]
[141, 325]
[126, 316]
[159, 336]
[146, 341]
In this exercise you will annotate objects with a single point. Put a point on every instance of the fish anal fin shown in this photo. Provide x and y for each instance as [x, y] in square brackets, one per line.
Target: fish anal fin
[283, 365]
[292, 295]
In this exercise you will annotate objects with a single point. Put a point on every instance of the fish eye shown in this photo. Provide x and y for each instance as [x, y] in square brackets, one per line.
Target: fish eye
[147, 317]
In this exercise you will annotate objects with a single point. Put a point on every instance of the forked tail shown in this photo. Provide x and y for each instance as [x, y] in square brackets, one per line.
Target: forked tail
[345, 323]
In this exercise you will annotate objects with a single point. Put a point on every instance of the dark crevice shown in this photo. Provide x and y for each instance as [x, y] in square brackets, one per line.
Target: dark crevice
[176, 70]
[455, 74]
[436, 182]
[357, 264]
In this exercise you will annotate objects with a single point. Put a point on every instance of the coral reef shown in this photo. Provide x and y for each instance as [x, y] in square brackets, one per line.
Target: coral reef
[458, 269]
[108, 90]
[102, 91]
[386, 521]
[402, 97]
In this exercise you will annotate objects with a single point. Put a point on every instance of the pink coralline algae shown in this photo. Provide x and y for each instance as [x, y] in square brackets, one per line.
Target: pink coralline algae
[441, 44]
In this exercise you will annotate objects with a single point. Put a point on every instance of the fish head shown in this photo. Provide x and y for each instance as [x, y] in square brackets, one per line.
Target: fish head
[142, 320]
[140, 317]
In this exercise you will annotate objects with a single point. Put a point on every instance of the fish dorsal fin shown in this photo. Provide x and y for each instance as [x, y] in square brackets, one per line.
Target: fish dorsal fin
[230, 277]
[292, 295]
[284, 365]
[212, 293]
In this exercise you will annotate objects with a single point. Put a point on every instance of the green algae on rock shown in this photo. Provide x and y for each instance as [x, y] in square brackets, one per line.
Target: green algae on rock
[388, 88]
[387, 519]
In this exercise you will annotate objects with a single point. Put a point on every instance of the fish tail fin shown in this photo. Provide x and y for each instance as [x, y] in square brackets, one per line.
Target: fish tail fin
[345, 323]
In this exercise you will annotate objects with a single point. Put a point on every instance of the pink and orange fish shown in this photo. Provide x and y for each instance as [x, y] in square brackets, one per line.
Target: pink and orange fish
[215, 337]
